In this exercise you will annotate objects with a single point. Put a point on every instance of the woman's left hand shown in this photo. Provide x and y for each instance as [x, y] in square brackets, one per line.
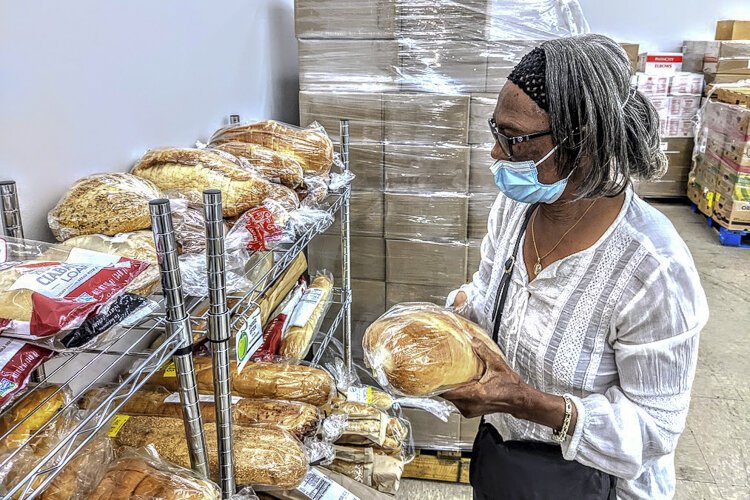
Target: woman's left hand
[499, 390]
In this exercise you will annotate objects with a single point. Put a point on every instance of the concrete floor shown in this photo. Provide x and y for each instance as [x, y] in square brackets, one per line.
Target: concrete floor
[713, 455]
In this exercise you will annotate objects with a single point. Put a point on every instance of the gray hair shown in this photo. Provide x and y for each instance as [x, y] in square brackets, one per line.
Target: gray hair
[599, 122]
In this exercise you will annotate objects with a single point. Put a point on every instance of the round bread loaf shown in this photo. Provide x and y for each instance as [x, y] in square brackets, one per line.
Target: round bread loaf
[103, 203]
[311, 146]
[186, 173]
[421, 349]
[284, 168]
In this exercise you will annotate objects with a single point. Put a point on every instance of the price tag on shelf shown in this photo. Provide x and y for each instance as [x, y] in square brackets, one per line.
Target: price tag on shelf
[169, 370]
[248, 339]
[316, 486]
[117, 422]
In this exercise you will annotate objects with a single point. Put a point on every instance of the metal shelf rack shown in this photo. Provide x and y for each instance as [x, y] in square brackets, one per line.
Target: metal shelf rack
[128, 346]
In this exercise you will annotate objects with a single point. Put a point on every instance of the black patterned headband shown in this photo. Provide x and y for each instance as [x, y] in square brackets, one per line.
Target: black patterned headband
[530, 75]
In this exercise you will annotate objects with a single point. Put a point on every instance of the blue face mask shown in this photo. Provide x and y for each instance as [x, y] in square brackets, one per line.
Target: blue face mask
[519, 181]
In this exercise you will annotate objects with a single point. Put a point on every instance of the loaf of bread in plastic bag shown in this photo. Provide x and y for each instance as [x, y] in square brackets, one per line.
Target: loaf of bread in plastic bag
[312, 146]
[279, 167]
[135, 475]
[186, 173]
[263, 380]
[309, 314]
[301, 419]
[103, 203]
[264, 456]
[421, 349]
[137, 245]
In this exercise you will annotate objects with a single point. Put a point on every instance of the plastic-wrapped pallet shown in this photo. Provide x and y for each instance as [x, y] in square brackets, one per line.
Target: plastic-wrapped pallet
[417, 80]
[719, 182]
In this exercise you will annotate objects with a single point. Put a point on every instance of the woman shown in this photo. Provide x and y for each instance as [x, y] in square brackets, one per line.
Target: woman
[603, 305]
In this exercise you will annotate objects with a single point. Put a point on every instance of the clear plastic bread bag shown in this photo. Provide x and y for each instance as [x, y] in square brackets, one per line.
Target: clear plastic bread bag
[300, 419]
[308, 316]
[18, 360]
[351, 389]
[143, 473]
[103, 204]
[311, 146]
[188, 172]
[421, 349]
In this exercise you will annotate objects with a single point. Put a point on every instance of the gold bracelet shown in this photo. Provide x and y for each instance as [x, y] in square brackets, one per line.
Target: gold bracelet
[562, 434]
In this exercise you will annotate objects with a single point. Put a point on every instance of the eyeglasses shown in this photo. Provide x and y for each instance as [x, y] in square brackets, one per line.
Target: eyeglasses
[506, 143]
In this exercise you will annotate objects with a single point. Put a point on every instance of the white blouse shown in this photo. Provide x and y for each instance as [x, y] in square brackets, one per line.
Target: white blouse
[615, 326]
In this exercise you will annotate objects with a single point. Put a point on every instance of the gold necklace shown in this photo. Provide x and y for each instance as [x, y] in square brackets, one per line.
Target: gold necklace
[538, 265]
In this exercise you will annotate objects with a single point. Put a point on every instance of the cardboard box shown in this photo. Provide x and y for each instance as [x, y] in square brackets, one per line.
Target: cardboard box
[733, 30]
[359, 65]
[369, 19]
[464, 20]
[660, 63]
[502, 58]
[680, 127]
[662, 104]
[397, 293]
[632, 50]
[426, 118]
[734, 48]
[480, 205]
[426, 168]
[367, 256]
[684, 106]
[366, 162]
[481, 179]
[686, 83]
[695, 51]
[736, 122]
[436, 65]
[482, 107]
[474, 258]
[365, 214]
[430, 216]
[368, 300]
[728, 78]
[732, 213]
[425, 263]
[431, 433]
[653, 85]
[734, 66]
[679, 151]
[660, 188]
[364, 111]
[737, 154]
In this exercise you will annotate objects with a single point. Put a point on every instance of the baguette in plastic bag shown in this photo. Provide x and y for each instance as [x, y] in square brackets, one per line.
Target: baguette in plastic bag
[307, 318]
[262, 380]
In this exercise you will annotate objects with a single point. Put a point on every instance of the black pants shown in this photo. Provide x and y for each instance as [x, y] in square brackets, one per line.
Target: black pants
[520, 470]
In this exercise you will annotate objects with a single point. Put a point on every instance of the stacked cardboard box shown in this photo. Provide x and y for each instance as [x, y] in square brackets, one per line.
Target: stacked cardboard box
[720, 181]
[724, 60]
[418, 81]
[677, 98]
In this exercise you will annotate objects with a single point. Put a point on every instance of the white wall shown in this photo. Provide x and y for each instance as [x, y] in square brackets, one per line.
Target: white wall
[661, 24]
[88, 85]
